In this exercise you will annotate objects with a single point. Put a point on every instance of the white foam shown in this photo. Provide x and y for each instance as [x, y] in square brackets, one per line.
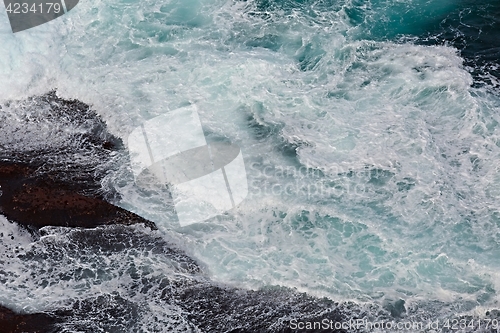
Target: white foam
[409, 149]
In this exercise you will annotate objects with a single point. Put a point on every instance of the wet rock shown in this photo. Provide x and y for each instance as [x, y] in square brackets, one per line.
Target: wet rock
[60, 185]
[57, 183]
[38, 201]
[397, 309]
[11, 322]
[222, 309]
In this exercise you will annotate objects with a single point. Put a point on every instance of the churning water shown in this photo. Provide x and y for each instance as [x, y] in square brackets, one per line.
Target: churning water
[370, 132]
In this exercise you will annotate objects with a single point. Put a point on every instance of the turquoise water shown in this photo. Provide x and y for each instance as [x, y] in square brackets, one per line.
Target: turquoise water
[369, 131]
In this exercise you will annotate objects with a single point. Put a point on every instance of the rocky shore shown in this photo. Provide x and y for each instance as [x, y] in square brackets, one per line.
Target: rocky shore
[77, 237]
[37, 201]
[45, 186]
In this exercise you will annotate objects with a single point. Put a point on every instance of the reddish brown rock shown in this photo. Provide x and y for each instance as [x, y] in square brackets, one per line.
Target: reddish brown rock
[58, 182]
[37, 201]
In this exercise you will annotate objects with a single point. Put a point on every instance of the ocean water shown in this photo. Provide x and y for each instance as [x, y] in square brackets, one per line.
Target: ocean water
[370, 132]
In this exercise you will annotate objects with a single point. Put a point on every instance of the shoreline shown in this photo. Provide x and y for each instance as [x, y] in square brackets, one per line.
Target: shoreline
[35, 199]
[40, 191]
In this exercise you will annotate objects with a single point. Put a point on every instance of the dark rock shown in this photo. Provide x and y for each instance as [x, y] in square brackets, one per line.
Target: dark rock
[61, 140]
[11, 322]
[41, 201]
[221, 309]
[45, 185]
[397, 309]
